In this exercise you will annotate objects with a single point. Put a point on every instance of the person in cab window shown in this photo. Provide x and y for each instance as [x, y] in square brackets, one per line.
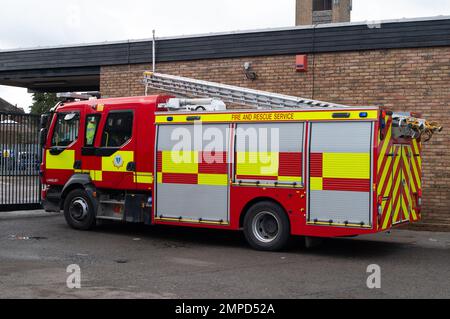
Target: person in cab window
[90, 131]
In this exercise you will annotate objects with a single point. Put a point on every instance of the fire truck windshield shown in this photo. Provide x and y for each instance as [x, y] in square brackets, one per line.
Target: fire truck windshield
[66, 129]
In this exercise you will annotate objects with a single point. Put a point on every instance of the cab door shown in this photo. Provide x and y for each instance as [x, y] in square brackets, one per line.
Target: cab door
[116, 149]
[90, 163]
[63, 147]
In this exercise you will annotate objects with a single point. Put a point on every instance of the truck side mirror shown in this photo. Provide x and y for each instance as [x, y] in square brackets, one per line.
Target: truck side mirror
[43, 137]
[44, 120]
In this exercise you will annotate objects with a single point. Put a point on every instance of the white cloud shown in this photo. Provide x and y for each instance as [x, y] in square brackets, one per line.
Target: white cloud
[16, 96]
[28, 23]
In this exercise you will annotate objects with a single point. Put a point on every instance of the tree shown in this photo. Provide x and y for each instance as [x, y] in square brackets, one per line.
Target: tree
[43, 102]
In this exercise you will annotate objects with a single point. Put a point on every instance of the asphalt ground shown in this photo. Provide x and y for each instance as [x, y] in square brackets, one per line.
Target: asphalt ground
[130, 261]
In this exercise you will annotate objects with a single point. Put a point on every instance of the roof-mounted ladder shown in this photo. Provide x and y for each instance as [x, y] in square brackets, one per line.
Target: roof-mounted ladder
[228, 93]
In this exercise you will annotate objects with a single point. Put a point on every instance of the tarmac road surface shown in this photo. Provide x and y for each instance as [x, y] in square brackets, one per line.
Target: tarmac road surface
[128, 261]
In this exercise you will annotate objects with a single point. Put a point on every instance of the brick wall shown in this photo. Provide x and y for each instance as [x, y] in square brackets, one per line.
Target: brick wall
[415, 80]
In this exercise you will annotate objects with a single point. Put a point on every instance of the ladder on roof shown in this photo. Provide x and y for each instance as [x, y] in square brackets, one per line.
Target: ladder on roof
[229, 93]
[409, 126]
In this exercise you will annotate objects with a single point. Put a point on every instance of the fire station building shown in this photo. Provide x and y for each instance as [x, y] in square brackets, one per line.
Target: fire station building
[403, 65]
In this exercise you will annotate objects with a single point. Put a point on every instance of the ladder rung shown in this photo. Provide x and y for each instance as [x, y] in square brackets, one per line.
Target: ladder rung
[228, 93]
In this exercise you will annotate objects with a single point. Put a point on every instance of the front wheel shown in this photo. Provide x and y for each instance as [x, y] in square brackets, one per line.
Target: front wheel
[267, 227]
[79, 210]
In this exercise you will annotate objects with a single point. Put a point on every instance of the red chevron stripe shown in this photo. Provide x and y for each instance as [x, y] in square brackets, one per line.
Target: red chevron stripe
[396, 177]
[159, 160]
[419, 169]
[346, 184]
[382, 144]
[385, 160]
[413, 177]
[386, 182]
[405, 198]
[397, 198]
[385, 211]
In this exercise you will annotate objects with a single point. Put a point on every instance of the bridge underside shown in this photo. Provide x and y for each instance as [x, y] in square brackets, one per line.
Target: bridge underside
[54, 80]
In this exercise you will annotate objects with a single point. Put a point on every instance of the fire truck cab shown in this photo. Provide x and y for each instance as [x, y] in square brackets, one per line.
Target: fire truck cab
[318, 172]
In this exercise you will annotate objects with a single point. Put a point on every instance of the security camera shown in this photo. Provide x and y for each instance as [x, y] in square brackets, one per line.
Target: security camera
[251, 75]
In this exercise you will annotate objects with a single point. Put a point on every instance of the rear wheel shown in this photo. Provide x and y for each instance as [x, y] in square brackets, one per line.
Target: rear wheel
[266, 227]
[79, 210]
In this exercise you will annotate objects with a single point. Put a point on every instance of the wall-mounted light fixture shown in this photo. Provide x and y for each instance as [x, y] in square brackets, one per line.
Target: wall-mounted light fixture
[249, 73]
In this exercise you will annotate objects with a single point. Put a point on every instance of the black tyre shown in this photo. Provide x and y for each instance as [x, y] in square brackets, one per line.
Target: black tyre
[267, 227]
[79, 211]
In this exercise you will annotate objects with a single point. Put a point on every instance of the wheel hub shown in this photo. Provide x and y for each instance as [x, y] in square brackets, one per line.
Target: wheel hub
[79, 209]
[265, 227]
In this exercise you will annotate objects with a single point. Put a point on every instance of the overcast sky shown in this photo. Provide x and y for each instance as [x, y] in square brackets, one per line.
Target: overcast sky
[30, 23]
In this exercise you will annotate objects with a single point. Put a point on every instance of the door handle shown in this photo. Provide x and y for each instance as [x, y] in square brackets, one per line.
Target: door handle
[131, 167]
[56, 151]
[77, 165]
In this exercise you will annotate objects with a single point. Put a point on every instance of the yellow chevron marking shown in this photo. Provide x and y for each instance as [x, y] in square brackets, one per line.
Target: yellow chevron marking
[388, 216]
[415, 147]
[406, 209]
[414, 214]
[407, 163]
[406, 187]
[397, 210]
[384, 175]
[416, 174]
[394, 195]
[415, 166]
[397, 187]
[388, 203]
[384, 148]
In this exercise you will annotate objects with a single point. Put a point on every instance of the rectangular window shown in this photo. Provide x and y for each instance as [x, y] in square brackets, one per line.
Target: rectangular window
[92, 122]
[66, 129]
[118, 129]
[270, 153]
[322, 5]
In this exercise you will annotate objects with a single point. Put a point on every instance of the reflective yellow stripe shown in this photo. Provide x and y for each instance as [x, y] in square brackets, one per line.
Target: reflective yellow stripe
[416, 174]
[384, 149]
[408, 187]
[346, 165]
[111, 164]
[257, 163]
[96, 176]
[392, 209]
[397, 210]
[144, 178]
[63, 161]
[213, 179]
[388, 203]
[159, 177]
[267, 117]
[414, 165]
[384, 175]
[316, 183]
[415, 147]
[290, 179]
[180, 162]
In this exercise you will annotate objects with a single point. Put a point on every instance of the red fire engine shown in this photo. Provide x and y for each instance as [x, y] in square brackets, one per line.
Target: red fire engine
[290, 166]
